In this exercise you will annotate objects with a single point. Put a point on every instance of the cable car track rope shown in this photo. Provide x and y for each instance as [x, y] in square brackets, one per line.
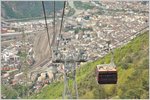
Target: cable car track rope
[46, 24]
[136, 33]
[61, 22]
[126, 38]
[54, 29]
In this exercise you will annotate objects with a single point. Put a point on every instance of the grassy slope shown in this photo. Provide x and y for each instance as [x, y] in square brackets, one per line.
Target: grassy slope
[132, 62]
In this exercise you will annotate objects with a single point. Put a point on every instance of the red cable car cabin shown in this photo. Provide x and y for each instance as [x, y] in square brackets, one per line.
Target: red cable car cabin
[106, 74]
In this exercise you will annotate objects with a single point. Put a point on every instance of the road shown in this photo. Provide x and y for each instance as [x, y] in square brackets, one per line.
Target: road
[17, 33]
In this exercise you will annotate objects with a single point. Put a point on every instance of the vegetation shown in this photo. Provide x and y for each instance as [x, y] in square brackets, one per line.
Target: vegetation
[33, 9]
[27, 9]
[13, 92]
[133, 80]
[8, 92]
[71, 11]
[9, 11]
[81, 5]
[21, 90]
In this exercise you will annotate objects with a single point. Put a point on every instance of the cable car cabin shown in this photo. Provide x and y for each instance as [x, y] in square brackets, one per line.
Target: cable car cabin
[106, 74]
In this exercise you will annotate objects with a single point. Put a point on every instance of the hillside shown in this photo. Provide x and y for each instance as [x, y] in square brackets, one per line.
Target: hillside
[133, 75]
[31, 9]
[27, 9]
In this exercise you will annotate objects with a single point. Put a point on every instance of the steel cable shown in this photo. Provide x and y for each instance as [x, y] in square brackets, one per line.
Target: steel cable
[46, 24]
[61, 22]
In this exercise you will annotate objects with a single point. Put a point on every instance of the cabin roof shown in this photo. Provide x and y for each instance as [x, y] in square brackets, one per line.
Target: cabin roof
[106, 67]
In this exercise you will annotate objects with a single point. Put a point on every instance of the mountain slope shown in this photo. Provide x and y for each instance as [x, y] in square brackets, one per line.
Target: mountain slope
[133, 78]
[31, 9]
[27, 9]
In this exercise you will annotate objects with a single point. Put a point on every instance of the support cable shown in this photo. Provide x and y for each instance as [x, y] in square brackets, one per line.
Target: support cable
[136, 33]
[126, 38]
[46, 24]
[61, 22]
[54, 29]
